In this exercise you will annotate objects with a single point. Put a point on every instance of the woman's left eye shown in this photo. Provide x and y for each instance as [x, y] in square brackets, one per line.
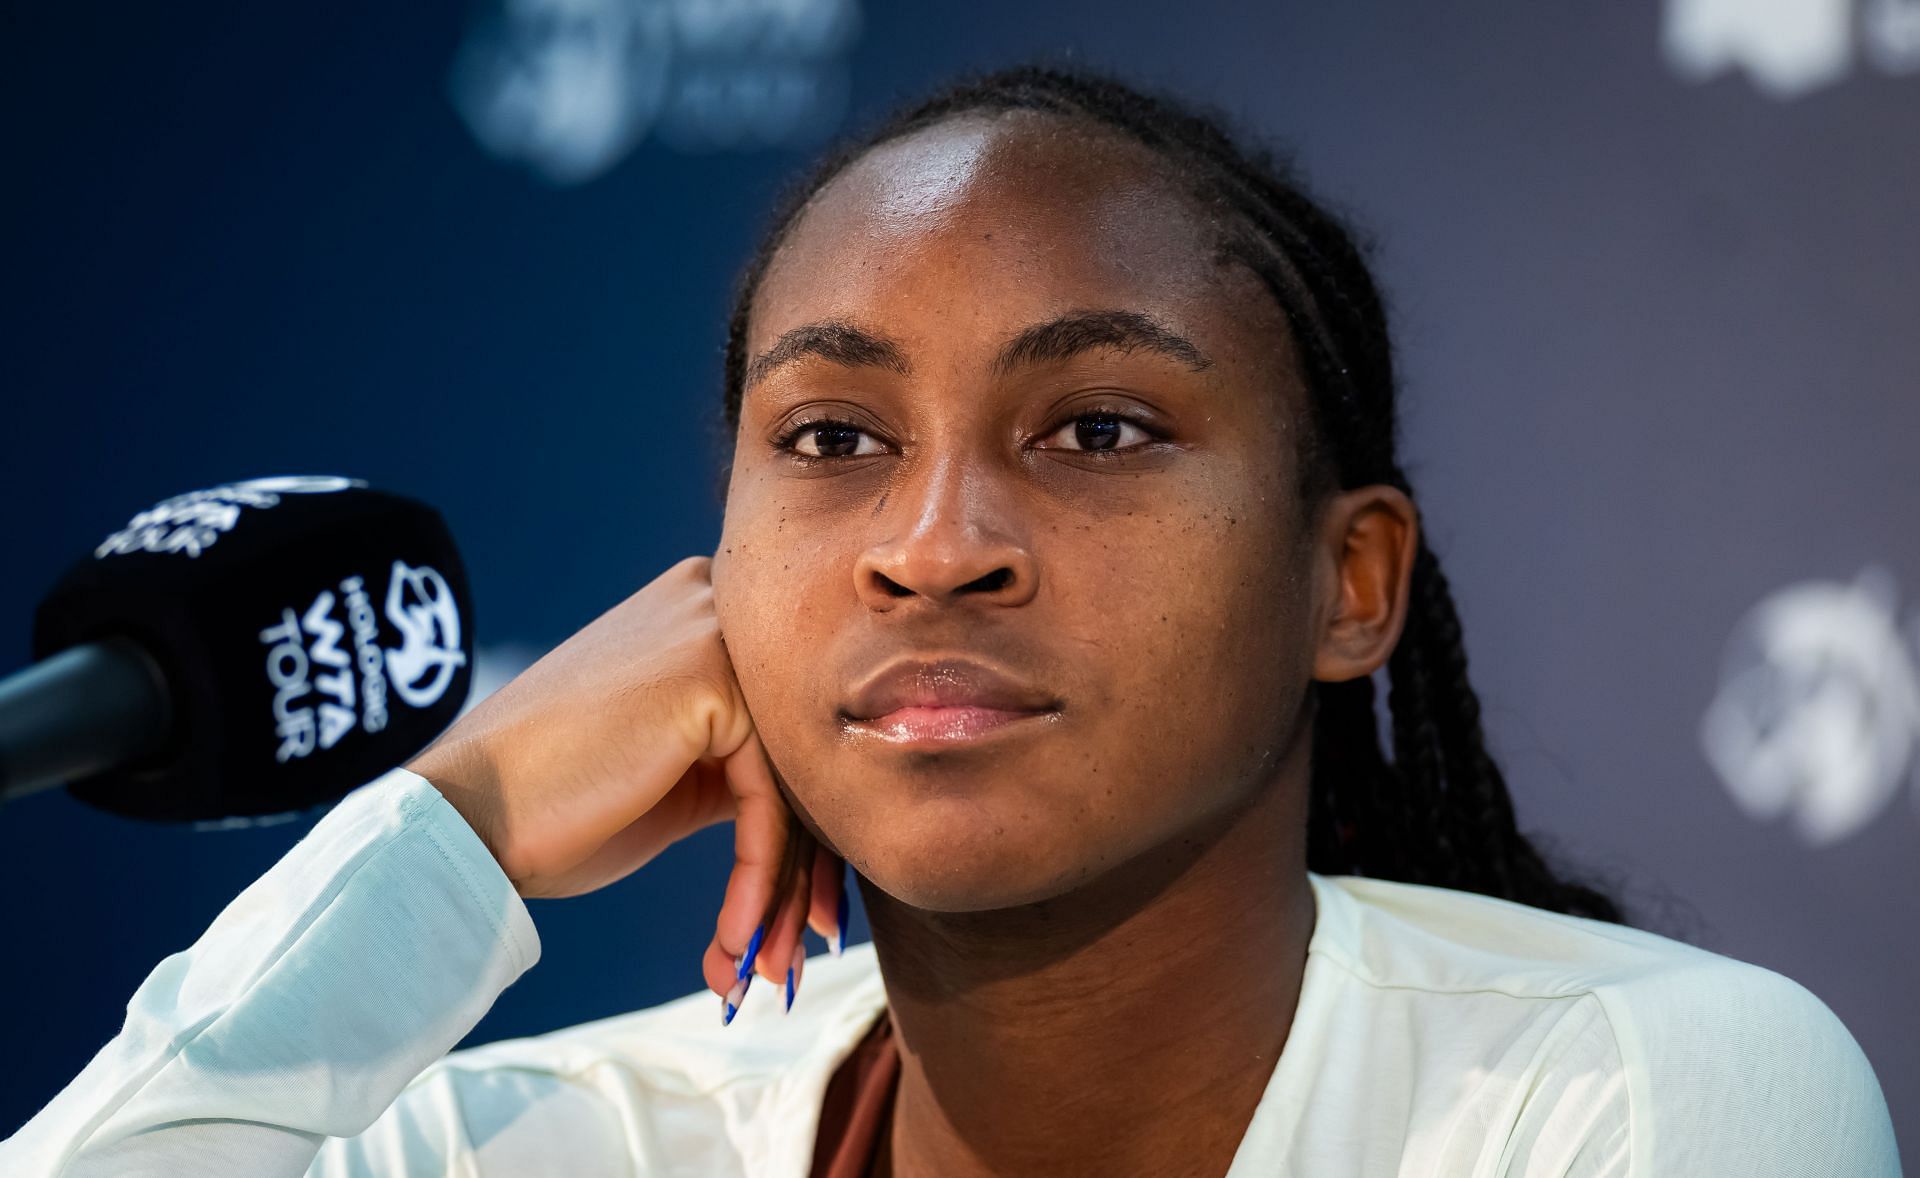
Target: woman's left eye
[833, 439]
[1098, 431]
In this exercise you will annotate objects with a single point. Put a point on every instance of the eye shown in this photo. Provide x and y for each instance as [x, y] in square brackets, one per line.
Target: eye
[1099, 431]
[830, 439]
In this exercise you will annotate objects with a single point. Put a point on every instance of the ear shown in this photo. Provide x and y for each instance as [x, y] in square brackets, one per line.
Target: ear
[1363, 572]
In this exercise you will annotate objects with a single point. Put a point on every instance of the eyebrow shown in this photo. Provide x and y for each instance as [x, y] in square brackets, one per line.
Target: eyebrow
[1061, 338]
[830, 339]
[1085, 331]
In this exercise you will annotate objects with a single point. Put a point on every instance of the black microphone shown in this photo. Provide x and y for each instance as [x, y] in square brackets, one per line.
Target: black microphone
[252, 649]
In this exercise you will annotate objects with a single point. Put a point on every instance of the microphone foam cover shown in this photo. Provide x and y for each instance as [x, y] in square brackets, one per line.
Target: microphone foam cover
[313, 633]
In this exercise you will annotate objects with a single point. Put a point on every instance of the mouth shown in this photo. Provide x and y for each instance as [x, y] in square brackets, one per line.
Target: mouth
[944, 702]
[941, 726]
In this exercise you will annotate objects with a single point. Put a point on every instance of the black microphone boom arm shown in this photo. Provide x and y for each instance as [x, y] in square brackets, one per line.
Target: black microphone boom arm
[83, 711]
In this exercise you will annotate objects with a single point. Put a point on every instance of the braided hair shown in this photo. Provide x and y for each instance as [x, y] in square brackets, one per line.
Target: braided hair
[1438, 813]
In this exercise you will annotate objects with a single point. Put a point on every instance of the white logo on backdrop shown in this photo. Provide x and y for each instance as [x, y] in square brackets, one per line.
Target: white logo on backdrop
[1790, 47]
[194, 522]
[1818, 713]
[569, 87]
[321, 692]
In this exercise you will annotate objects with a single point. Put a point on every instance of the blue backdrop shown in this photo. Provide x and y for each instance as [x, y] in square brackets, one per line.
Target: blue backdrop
[1653, 265]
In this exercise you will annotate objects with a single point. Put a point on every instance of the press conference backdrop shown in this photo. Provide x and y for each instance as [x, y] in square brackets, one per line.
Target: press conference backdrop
[1655, 266]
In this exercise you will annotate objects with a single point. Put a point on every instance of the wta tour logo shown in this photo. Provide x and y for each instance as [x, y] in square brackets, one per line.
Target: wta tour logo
[569, 87]
[1790, 47]
[321, 692]
[1817, 719]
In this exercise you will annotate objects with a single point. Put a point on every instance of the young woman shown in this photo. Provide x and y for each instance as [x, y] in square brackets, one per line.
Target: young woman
[1064, 535]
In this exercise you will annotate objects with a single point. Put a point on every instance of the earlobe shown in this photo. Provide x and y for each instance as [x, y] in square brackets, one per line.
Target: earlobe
[1370, 536]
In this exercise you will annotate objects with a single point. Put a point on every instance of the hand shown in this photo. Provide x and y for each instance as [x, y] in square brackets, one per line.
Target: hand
[628, 736]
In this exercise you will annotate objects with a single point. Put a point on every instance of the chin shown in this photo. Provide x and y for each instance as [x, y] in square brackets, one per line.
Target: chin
[964, 891]
[960, 862]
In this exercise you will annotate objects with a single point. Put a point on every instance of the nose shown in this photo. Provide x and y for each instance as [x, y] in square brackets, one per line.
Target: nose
[950, 536]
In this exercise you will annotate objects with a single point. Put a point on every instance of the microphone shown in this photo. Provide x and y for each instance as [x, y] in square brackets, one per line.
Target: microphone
[252, 649]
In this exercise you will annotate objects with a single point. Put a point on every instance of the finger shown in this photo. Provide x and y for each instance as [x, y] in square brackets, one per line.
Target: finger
[698, 801]
[785, 925]
[793, 858]
[785, 910]
[784, 946]
[769, 943]
[762, 834]
[774, 947]
[826, 907]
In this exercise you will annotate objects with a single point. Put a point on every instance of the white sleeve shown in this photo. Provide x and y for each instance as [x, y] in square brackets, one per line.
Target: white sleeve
[1748, 1073]
[1738, 1070]
[314, 998]
[1723, 1070]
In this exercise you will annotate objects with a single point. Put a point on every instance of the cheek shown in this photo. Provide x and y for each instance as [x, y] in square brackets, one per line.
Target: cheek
[1239, 669]
[775, 589]
[1201, 629]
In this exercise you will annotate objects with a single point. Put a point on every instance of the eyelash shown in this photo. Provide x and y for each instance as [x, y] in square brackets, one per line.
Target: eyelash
[799, 429]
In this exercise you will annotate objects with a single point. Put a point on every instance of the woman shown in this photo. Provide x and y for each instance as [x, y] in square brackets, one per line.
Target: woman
[1064, 533]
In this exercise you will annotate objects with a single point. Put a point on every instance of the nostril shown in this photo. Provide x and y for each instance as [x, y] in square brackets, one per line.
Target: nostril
[938, 587]
[997, 579]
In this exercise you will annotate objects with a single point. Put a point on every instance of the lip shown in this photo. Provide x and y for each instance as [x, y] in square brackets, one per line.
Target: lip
[943, 701]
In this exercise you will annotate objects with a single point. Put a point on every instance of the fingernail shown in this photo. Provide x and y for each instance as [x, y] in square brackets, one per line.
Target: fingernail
[839, 942]
[794, 971]
[744, 965]
[730, 1005]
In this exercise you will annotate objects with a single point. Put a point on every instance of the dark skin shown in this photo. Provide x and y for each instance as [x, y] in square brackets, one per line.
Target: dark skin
[1052, 431]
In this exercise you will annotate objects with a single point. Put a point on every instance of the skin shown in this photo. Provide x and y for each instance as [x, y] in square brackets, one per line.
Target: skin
[1104, 909]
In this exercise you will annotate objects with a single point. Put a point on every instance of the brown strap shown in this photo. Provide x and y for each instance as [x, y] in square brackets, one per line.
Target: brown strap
[857, 1111]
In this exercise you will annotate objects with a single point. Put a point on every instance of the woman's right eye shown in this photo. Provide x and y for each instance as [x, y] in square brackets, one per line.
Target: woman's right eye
[832, 439]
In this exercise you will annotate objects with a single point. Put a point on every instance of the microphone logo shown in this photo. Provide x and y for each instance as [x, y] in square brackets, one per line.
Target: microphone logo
[194, 522]
[321, 692]
[421, 607]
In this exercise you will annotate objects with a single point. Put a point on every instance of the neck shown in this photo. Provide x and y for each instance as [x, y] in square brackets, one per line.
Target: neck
[1128, 1027]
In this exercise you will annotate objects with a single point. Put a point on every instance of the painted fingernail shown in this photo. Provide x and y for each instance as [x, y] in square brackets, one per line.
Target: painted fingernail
[839, 942]
[794, 971]
[730, 1005]
[744, 966]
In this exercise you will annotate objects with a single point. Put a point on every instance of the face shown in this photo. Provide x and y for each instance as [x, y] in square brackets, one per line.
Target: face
[1012, 573]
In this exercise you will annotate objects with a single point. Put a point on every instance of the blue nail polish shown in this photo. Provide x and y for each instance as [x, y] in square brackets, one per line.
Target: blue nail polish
[753, 951]
[730, 1005]
[840, 918]
[789, 989]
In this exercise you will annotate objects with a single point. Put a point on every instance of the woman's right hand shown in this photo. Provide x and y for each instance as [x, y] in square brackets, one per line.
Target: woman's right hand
[628, 736]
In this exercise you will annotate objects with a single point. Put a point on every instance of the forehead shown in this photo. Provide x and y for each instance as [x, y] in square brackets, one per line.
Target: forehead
[981, 225]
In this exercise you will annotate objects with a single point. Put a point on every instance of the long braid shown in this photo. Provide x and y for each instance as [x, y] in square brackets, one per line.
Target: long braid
[1439, 813]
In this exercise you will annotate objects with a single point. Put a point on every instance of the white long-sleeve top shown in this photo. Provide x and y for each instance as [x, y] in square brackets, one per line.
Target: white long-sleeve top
[1439, 1034]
